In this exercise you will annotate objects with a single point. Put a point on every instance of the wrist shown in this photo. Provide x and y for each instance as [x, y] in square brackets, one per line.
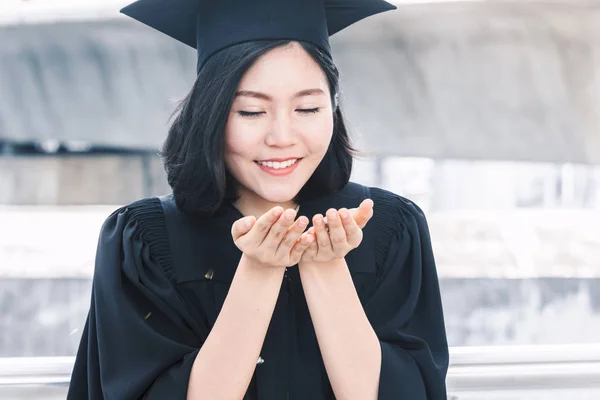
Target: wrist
[253, 268]
[320, 265]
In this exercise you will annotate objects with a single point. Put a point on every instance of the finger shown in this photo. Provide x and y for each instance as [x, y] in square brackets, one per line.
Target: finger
[263, 225]
[326, 223]
[360, 219]
[366, 205]
[337, 233]
[353, 232]
[323, 241]
[242, 226]
[278, 231]
[353, 212]
[302, 244]
[364, 213]
[292, 235]
[356, 216]
[310, 253]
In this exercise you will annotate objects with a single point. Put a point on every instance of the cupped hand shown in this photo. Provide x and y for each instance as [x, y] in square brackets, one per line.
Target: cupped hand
[274, 239]
[363, 213]
[342, 234]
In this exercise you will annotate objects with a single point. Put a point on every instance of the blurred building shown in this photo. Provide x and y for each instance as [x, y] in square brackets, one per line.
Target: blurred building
[472, 109]
[499, 80]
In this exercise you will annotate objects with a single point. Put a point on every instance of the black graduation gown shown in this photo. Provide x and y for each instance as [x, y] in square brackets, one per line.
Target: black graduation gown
[160, 281]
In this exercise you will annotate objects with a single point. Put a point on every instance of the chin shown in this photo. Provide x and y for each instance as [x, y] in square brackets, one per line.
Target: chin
[279, 194]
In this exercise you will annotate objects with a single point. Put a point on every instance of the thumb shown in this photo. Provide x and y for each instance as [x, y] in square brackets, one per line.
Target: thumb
[242, 226]
[359, 217]
[363, 213]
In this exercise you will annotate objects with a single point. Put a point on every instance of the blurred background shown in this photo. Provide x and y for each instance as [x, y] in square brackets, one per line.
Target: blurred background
[486, 113]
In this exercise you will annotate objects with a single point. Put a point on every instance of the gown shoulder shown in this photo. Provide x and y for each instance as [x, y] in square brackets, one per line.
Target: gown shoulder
[139, 338]
[141, 221]
[393, 215]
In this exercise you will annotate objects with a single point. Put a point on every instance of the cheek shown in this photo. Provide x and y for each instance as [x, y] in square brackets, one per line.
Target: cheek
[234, 148]
[238, 139]
[319, 136]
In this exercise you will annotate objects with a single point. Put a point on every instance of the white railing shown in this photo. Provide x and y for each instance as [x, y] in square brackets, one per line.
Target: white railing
[506, 368]
[472, 370]
[35, 370]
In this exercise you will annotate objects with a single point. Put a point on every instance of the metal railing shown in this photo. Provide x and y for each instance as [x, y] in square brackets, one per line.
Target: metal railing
[506, 368]
[472, 370]
[35, 370]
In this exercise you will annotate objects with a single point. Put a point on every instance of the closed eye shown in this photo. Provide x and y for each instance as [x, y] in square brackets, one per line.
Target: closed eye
[309, 110]
[250, 114]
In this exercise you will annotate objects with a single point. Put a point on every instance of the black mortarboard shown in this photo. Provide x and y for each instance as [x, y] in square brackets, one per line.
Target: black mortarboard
[212, 25]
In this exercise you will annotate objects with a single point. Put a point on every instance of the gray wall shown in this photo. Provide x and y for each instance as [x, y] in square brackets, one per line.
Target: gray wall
[517, 80]
[481, 311]
[80, 179]
[513, 80]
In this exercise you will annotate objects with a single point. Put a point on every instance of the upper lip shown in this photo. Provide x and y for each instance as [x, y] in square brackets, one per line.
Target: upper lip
[280, 159]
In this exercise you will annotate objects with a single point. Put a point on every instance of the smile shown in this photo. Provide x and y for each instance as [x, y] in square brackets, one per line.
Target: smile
[278, 164]
[279, 167]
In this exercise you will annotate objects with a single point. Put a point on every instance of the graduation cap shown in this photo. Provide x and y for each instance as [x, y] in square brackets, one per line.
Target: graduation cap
[212, 25]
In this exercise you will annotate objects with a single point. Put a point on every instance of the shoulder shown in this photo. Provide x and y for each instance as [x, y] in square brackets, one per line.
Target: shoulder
[142, 221]
[389, 208]
[143, 214]
[396, 221]
[393, 207]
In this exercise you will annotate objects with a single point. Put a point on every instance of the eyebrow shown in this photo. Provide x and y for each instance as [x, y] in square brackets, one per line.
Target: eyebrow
[262, 96]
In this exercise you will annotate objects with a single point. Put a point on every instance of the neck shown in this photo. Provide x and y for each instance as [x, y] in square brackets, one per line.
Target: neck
[256, 206]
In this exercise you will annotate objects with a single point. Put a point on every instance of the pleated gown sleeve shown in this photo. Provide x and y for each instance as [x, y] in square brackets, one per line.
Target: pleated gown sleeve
[139, 340]
[405, 308]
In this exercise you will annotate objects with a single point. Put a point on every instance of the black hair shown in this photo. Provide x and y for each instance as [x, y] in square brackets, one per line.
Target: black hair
[193, 153]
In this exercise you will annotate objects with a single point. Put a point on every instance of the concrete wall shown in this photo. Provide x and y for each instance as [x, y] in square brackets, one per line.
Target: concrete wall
[483, 311]
[434, 185]
[517, 80]
[518, 277]
[80, 179]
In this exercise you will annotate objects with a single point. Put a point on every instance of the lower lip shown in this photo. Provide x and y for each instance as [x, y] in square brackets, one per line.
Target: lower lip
[279, 171]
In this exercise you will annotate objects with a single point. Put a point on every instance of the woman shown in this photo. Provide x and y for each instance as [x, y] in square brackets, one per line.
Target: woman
[266, 274]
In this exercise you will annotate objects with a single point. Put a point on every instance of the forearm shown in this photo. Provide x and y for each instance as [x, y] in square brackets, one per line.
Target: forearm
[349, 346]
[225, 364]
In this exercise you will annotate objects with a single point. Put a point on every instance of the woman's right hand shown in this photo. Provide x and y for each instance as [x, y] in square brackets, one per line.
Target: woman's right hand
[274, 240]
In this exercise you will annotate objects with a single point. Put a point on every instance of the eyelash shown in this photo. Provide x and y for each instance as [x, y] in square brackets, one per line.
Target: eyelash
[250, 114]
[309, 110]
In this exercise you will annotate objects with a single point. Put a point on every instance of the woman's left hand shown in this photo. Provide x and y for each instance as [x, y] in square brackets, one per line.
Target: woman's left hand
[344, 233]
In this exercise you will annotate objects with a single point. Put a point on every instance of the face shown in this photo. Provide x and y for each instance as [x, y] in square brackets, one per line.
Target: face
[280, 125]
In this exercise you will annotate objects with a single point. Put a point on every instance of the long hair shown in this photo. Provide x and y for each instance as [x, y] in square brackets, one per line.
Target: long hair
[193, 153]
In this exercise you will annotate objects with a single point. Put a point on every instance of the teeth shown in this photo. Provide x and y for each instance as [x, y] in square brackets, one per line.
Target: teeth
[278, 165]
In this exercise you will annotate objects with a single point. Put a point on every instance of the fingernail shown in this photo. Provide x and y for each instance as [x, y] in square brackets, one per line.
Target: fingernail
[302, 222]
[344, 214]
[289, 214]
[333, 214]
[277, 212]
[248, 222]
[319, 221]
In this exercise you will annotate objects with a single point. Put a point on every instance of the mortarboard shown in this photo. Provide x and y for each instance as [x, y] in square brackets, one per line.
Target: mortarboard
[212, 25]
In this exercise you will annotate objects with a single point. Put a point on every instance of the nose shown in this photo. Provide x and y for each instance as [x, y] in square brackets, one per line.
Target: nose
[281, 132]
